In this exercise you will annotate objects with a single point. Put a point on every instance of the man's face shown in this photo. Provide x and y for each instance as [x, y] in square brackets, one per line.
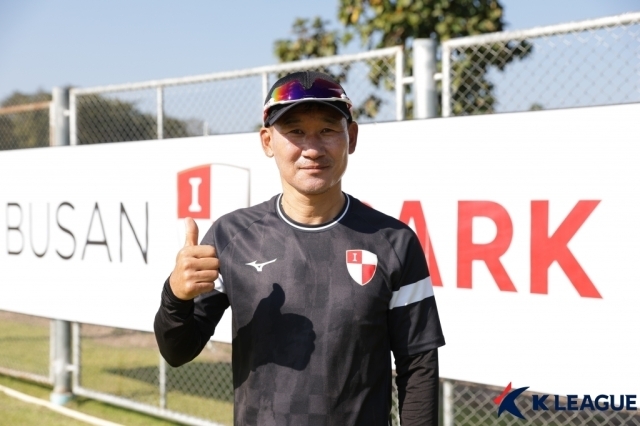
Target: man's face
[311, 144]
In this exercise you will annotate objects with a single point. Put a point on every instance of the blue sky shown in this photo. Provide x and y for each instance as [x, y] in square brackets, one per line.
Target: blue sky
[46, 43]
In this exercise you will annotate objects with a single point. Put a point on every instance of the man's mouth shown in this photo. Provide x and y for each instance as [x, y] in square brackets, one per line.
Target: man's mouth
[315, 167]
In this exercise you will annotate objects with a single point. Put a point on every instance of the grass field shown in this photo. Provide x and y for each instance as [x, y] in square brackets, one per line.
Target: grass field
[24, 343]
[123, 363]
[14, 412]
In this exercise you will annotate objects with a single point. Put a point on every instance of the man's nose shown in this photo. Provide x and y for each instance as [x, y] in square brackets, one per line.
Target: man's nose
[313, 146]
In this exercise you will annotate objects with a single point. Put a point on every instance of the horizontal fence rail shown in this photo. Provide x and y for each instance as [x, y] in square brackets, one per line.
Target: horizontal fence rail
[26, 126]
[227, 102]
[587, 63]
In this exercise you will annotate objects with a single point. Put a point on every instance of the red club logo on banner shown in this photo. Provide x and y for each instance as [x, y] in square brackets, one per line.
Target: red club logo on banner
[209, 191]
[194, 189]
[361, 265]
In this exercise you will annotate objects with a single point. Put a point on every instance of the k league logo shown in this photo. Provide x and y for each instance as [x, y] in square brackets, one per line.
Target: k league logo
[506, 401]
[209, 191]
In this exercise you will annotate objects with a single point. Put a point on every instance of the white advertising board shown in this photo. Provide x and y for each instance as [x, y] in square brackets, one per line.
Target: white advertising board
[529, 221]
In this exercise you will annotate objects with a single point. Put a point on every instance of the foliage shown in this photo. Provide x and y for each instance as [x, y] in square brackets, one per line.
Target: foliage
[384, 23]
[381, 23]
[472, 92]
[25, 129]
[312, 39]
[100, 119]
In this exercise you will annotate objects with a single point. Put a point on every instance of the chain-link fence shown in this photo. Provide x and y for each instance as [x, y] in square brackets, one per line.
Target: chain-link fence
[229, 102]
[25, 347]
[124, 367]
[473, 404]
[25, 126]
[587, 63]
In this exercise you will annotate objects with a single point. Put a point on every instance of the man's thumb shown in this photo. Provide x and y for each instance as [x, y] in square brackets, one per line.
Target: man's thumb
[191, 232]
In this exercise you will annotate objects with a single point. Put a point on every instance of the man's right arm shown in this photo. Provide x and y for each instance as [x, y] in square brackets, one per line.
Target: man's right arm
[183, 327]
[192, 301]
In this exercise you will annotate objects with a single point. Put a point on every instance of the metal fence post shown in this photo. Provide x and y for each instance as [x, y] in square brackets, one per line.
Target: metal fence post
[447, 403]
[61, 339]
[62, 363]
[162, 382]
[76, 354]
[424, 83]
[160, 112]
[73, 118]
[52, 348]
[400, 85]
[265, 92]
[446, 80]
[59, 131]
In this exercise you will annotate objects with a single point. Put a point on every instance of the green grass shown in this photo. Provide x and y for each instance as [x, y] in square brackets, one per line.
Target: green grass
[121, 363]
[22, 413]
[16, 412]
[24, 346]
[112, 367]
[125, 363]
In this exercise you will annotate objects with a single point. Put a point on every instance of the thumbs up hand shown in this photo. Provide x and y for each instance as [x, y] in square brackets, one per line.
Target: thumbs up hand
[196, 266]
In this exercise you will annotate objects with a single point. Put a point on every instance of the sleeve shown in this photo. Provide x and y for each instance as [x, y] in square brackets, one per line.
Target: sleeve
[414, 324]
[415, 333]
[183, 327]
[418, 386]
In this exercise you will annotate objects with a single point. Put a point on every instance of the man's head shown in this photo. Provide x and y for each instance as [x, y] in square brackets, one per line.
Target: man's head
[309, 130]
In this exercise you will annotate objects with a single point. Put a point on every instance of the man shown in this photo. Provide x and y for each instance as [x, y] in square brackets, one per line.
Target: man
[322, 287]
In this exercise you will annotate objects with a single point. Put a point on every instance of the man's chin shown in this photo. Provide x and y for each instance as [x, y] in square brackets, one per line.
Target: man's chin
[315, 188]
[312, 191]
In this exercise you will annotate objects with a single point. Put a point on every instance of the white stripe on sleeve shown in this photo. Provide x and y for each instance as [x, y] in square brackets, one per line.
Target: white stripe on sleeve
[412, 293]
[219, 284]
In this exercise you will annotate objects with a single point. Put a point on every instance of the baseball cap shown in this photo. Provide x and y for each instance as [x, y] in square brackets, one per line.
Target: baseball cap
[304, 86]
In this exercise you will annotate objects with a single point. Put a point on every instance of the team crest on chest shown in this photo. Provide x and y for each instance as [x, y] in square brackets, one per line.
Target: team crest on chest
[361, 265]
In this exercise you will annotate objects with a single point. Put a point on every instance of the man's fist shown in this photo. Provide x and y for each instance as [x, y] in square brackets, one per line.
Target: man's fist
[196, 266]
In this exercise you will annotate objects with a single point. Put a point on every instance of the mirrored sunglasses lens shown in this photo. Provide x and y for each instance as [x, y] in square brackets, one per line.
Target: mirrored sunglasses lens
[293, 90]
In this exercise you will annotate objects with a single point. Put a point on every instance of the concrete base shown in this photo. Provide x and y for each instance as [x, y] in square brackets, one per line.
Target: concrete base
[60, 398]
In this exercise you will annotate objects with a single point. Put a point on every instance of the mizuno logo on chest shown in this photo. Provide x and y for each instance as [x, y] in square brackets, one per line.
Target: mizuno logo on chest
[259, 266]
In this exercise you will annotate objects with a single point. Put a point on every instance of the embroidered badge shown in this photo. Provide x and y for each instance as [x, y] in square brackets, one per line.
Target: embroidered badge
[361, 265]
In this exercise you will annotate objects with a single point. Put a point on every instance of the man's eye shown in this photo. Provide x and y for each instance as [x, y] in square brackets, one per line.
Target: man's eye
[327, 130]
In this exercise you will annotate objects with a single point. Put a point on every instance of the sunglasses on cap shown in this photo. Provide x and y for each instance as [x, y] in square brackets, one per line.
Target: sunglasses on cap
[294, 91]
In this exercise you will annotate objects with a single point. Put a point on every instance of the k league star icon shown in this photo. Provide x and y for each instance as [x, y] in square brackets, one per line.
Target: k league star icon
[361, 265]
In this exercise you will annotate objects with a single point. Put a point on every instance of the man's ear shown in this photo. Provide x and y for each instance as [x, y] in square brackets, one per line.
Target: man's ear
[266, 139]
[353, 136]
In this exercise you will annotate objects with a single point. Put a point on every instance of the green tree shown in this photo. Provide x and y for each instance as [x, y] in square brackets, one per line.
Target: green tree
[99, 120]
[312, 39]
[383, 23]
[27, 129]
[102, 119]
